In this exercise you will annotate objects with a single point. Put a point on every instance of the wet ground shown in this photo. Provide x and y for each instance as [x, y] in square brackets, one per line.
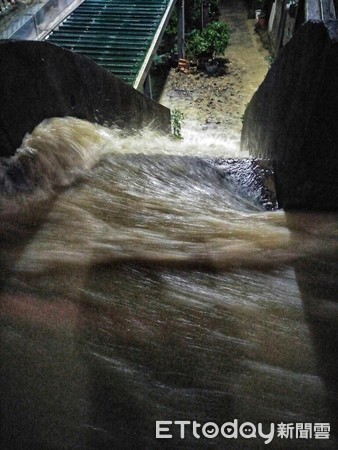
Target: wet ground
[220, 101]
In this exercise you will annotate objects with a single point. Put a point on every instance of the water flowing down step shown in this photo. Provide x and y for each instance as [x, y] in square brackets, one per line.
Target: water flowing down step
[140, 283]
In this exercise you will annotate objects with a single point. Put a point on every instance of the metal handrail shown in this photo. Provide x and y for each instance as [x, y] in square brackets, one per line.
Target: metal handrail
[138, 84]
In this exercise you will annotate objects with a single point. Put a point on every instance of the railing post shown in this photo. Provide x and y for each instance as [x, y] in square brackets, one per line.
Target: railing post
[181, 29]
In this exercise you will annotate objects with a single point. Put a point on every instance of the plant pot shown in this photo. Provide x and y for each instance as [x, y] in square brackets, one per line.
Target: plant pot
[183, 65]
[211, 67]
[262, 21]
[201, 62]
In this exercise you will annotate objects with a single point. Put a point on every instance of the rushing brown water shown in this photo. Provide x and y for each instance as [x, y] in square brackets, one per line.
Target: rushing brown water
[141, 285]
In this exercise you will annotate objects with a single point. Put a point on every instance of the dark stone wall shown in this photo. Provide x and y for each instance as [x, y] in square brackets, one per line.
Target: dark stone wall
[293, 119]
[39, 80]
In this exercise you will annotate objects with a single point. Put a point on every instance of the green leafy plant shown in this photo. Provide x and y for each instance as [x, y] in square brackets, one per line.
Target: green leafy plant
[213, 39]
[177, 118]
[196, 45]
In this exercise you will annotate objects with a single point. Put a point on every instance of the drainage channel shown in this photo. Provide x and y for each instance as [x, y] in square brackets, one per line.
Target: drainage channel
[116, 35]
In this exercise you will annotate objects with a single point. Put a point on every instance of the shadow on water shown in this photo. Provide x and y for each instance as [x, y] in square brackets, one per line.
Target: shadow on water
[318, 284]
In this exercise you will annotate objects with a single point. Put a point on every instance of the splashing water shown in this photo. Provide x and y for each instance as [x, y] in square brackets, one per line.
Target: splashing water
[137, 198]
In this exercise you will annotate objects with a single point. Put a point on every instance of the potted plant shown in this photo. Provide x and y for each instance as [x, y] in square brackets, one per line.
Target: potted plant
[213, 39]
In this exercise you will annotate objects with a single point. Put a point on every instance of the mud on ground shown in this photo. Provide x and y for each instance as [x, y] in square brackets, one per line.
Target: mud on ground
[210, 100]
[220, 101]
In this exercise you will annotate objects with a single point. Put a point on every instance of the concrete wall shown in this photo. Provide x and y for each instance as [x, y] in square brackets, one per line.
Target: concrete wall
[40, 80]
[276, 25]
[282, 24]
[285, 18]
[320, 10]
[293, 116]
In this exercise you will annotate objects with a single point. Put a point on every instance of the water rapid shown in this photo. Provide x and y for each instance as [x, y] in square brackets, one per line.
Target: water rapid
[141, 282]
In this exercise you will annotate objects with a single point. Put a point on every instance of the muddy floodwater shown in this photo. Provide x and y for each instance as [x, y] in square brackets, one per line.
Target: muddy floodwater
[141, 283]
